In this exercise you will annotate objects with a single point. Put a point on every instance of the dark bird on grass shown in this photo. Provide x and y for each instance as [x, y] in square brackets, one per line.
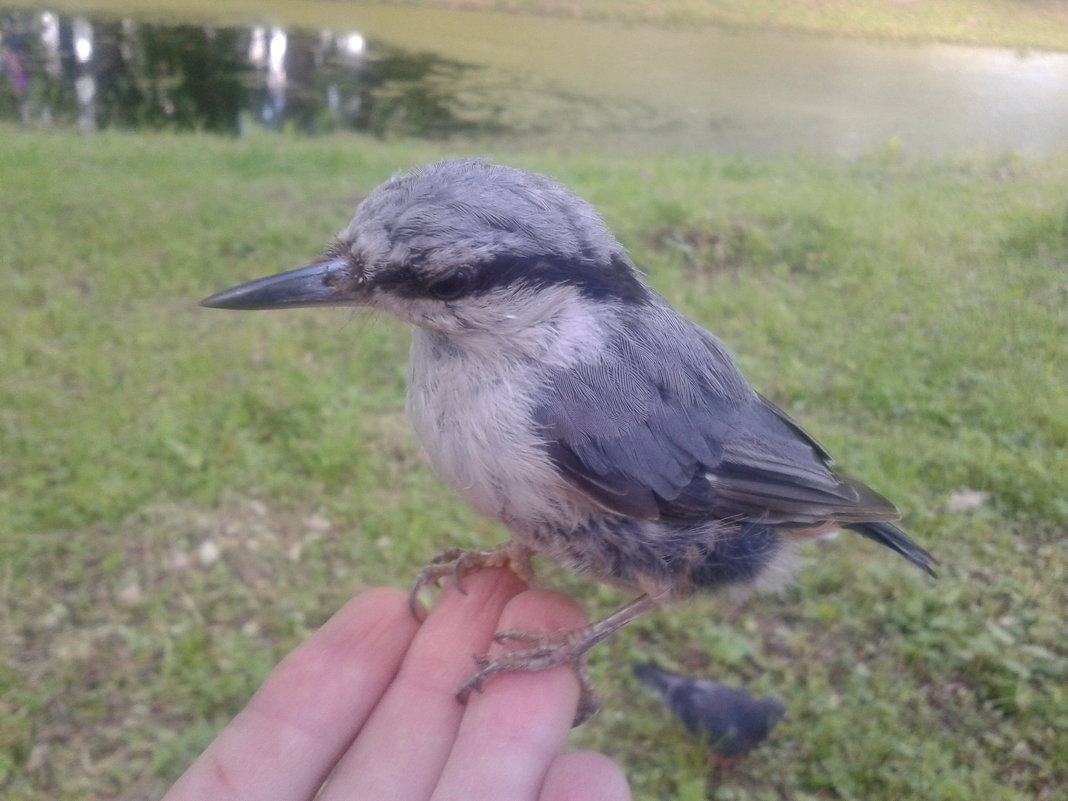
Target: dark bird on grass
[730, 721]
[557, 393]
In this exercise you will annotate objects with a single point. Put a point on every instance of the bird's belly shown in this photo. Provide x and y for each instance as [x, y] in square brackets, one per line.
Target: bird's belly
[478, 437]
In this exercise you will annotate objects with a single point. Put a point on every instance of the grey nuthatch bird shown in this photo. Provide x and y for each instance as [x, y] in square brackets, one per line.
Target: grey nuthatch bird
[552, 389]
[730, 721]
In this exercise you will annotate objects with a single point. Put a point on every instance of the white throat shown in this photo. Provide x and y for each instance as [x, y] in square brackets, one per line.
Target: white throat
[471, 398]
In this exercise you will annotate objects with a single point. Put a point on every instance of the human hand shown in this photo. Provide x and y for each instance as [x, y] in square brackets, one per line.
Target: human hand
[369, 701]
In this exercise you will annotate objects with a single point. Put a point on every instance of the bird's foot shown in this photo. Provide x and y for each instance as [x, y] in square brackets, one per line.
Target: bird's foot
[551, 649]
[722, 764]
[545, 650]
[456, 563]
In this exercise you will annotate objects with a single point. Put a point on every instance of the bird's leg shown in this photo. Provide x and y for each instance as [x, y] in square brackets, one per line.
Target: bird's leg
[458, 562]
[550, 649]
[722, 764]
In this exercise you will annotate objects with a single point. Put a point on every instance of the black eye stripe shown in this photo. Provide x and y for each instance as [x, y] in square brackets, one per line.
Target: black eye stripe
[616, 280]
[613, 281]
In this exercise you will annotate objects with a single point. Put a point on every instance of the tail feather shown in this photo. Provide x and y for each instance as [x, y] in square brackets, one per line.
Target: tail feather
[897, 540]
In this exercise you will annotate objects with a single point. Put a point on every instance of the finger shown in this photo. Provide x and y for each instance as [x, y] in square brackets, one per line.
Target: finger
[519, 724]
[284, 743]
[400, 752]
[584, 776]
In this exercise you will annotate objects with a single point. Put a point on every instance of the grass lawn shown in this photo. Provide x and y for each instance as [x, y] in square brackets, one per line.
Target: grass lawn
[1036, 24]
[185, 494]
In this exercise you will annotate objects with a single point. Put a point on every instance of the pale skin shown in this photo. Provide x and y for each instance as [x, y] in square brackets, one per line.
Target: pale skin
[369, 700]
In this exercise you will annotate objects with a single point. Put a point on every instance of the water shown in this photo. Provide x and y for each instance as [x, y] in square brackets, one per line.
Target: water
[564, 83]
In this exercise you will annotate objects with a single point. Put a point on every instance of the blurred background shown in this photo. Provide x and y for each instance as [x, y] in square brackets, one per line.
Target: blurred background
[542, 80]
[868, 201]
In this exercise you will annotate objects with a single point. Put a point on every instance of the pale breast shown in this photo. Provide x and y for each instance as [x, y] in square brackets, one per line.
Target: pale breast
[476, 429]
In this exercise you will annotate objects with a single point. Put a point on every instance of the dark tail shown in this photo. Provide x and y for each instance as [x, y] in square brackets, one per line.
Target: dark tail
[897, 540]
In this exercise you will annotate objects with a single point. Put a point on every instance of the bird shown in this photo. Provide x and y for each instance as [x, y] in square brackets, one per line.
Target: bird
[728, 720]
[555, 391]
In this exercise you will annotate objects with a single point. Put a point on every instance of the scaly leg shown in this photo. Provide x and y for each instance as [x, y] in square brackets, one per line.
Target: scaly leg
[553, 648]
[458, 562]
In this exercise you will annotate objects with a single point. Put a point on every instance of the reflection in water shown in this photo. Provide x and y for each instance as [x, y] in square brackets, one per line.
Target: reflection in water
[84, 82]
[551, 81]
[99, 73]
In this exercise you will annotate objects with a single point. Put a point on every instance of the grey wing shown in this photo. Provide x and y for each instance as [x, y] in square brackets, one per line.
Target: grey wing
[705, 715]
[670, 428]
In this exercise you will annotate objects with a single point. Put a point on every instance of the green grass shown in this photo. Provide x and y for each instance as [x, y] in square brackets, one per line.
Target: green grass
[912, 315]
[1037, 24]
[980, 22]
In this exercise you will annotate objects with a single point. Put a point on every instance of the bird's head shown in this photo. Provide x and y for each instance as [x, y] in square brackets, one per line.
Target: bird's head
[460, 247]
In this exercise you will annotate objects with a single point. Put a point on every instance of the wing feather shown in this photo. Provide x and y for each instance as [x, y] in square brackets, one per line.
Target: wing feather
[660, 428]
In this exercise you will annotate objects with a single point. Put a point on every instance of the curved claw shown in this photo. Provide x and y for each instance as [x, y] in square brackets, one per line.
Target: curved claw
[458, 562]
[477, 681]
[415, 607]
[462, 564]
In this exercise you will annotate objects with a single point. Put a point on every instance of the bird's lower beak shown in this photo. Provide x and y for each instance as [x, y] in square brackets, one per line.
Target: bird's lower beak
[328, 283]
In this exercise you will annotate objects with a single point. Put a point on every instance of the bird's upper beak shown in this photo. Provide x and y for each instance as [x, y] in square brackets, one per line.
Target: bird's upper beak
[327, 283]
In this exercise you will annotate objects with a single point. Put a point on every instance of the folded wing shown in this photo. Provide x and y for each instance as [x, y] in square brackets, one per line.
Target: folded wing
[672, 429]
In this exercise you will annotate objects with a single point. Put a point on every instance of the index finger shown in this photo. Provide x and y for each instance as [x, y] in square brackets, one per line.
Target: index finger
[308, 711]
[519, 724]
[400, 752]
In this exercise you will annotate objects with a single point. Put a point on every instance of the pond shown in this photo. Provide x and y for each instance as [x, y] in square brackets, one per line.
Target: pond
[555, 82]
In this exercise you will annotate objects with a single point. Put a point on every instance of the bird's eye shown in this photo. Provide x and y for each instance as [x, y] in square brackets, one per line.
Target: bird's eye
[452, 286]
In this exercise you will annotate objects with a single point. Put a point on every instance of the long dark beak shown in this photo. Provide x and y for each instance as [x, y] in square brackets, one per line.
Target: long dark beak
[323, 284]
